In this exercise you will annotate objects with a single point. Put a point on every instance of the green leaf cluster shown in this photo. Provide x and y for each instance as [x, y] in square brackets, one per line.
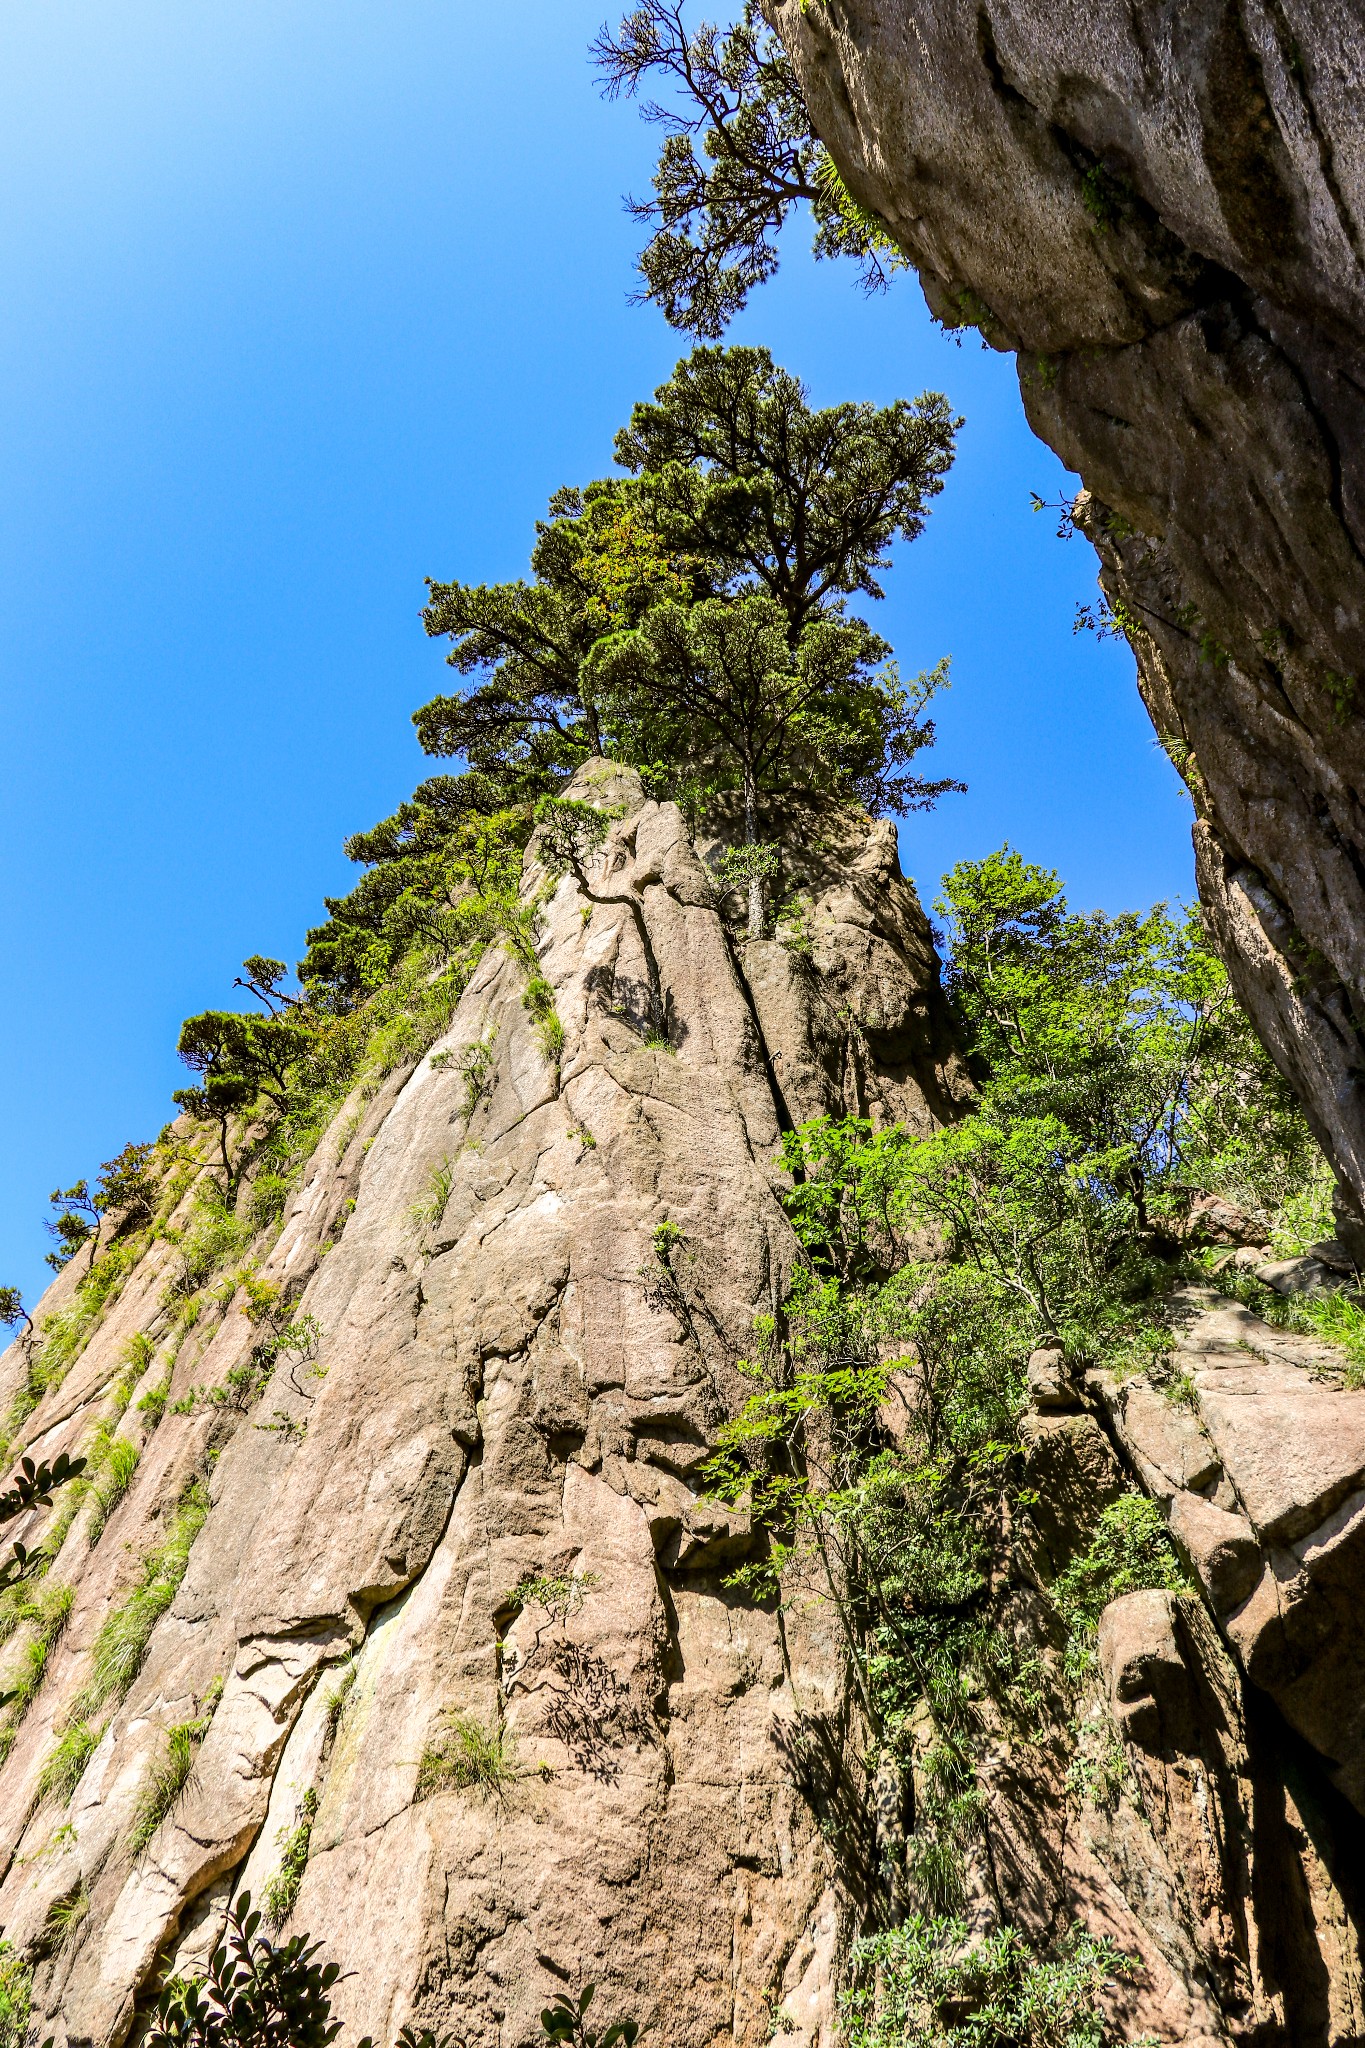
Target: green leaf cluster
[932, 1984]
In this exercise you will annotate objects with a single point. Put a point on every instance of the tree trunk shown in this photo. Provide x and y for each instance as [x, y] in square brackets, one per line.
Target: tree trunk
[751, 839]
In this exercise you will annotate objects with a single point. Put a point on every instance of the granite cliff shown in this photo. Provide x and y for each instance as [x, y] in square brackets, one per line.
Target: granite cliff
[451, 1508]
[1162, 210]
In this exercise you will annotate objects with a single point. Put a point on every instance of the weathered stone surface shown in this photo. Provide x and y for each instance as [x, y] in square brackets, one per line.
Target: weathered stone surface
[1275, 1529]
[1049, 1381]
[1221, 1549]
[1162, 209]
[517, 1390]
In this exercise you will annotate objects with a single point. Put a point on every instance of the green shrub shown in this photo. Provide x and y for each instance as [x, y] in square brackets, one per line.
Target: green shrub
[119, 1648]
[468, 1757]
[1130, 1551]
[282, 1892]
[931, 1984]
[66, 1762]
[16, 2000]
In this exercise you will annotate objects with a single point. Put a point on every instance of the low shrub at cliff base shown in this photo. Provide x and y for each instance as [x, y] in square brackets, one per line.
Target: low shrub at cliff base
[935, 1984]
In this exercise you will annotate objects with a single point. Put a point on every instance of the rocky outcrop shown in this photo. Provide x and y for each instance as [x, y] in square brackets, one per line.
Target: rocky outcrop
[456, 1583]
[1162, 209]
[1212, 1821]
[1260, 1465]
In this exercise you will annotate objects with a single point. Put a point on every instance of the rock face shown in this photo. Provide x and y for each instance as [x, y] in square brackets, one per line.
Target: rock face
[462, 1518]
[1262, 1476]
[420, 1596]
[1162, 209]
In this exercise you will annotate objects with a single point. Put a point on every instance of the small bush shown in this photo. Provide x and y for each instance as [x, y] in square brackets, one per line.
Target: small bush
[282, 1892]
[470, 1758]
[119, 1648]
[1130, 1551]
[16, 2001]
[928, 1985]
[62, 1771]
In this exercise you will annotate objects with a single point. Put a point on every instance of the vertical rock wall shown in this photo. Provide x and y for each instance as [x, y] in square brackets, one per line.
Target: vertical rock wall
[515, 1381]
[1162, 209]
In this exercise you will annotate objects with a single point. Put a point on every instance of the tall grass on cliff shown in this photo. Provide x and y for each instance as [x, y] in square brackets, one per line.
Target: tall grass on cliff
[880, 1452]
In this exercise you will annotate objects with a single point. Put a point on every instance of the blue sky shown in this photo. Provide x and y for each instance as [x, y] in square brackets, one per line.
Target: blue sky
[300, 303]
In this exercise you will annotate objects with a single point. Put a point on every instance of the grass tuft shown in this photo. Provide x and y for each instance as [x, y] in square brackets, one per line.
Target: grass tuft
[468, 1757]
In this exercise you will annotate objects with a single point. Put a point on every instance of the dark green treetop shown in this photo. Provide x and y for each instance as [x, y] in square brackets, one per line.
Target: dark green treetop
[741, 471]
[717, 209]
[597, 566]
[12, 1309]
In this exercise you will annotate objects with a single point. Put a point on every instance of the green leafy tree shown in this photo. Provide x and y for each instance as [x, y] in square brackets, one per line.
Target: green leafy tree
[738, 157]
[127, 1185]
[597, 565]
[721, 683]
[76, 1224]
[242, 1058]
[1125, 1031]
[800, 503]
[12, 1309]
[655, 599]
[441, 874]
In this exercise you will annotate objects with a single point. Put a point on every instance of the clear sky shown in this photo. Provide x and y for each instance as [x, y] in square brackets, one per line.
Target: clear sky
[300, 302]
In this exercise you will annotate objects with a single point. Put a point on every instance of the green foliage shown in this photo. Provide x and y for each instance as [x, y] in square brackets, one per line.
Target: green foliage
[16, 1999]
[559, 1593]
[113, 1464]
[1130, 1550]
[66, 1917]
[258, 1994]
[153, 1403]
[121, 1644]
[475, 1063]
[738, 156]
[565, 2020]
[66, 1761]
[169, 1773]
[12, 1309]
[468, 1757]
[932, 1984]
[282, 1892]
[1120, 1038]
[430, 1206]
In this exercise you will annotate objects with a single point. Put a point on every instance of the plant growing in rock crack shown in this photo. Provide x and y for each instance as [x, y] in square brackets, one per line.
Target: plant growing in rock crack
[121, 1644]
[338, 1693]
[1130, 1550]
[65, 1763]
[539, 998]
[170, 1772]
[282, 1892]
[466, 1756]
[426, 1212]
[65, 1917]
[475, 1064]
